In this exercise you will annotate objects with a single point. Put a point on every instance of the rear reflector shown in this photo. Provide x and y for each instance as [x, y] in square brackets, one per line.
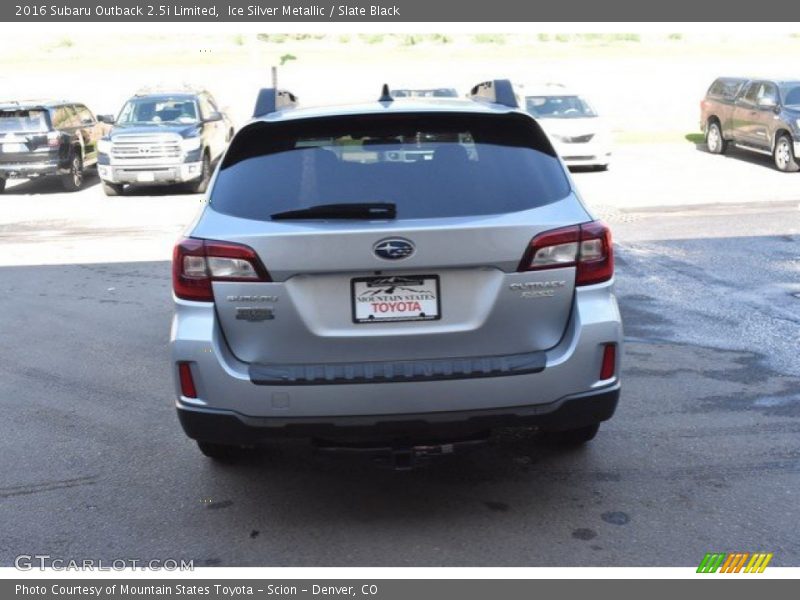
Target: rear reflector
[609, 361]
[587, 247]
[197, 263]
[187, 383]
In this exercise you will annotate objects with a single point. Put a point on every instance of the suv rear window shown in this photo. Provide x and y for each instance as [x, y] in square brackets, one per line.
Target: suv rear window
[428, 165]
[23, 120]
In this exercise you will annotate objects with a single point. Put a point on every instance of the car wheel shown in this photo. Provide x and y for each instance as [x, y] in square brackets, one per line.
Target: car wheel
[784, 155]
[73, 181]
[112, 189]
[201, 184]
[221, 452]
[2, 184]
[715, 143]
[571, 437]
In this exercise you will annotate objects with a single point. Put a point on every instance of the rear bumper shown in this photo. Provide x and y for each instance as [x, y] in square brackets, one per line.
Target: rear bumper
[580, 160]
[586, 154]
[151, 175]
[225, 385]
[226, 427]
[33, 169]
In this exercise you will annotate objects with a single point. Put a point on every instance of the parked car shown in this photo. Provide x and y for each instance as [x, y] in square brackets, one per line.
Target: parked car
[581, 137]
[326, 292]
[438, 92]
[164, 137]
[760, 115]
[48, 138]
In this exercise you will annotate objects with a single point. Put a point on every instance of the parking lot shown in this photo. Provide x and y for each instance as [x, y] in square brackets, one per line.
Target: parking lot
[703, 454]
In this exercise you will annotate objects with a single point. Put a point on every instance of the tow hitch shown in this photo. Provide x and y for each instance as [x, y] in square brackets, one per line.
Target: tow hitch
[399, 456]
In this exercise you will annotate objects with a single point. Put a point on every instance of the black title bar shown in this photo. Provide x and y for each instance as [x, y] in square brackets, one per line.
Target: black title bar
[399, 11]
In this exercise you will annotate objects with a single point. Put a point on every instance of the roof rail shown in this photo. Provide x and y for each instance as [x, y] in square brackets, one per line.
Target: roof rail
[168, 88]
[271, 100]
[497, 91]
[35, 102]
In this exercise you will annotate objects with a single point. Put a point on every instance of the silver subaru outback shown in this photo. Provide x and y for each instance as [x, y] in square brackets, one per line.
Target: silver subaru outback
[405, 272]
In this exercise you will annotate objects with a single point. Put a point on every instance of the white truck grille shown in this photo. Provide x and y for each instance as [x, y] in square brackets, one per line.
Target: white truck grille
[146, 147]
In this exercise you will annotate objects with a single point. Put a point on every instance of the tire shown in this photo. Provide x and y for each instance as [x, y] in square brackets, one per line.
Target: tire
[571, 437]
[200, 186]
[783, 154]
[2, 184]
[73, 181]
[715, 143]
[112, 189]
[221, 452]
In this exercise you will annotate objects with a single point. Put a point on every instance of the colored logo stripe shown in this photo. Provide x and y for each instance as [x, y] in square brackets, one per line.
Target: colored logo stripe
[758, 563]
[711, 563]
[734, 562]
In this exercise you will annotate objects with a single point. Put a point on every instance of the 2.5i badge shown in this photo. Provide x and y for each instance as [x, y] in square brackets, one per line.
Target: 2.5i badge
[247, 313]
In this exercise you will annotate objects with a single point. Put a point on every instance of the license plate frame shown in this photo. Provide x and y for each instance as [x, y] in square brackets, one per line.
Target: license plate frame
[359, 285]
[146, 177]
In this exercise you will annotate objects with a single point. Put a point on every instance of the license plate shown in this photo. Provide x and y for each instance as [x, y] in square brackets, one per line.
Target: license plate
[13, 148]
[145, 177]
[396, 298]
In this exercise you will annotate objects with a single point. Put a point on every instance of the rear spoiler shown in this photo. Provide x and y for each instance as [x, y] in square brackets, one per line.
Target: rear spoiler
[497, 91]
[271, 100]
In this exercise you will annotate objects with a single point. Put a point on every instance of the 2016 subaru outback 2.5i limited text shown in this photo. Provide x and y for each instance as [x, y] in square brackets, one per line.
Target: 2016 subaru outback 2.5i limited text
[329, 292]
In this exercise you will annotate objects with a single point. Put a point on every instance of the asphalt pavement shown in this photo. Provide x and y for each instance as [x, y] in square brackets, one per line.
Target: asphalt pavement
[703, 454]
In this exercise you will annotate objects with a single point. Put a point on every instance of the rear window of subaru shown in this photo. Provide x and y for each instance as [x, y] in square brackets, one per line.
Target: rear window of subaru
[428, 165]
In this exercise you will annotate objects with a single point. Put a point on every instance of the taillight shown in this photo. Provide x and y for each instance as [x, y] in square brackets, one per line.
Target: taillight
[197, 263]
[586, 247]
[596, 258]
[53, 139]
[187, 382]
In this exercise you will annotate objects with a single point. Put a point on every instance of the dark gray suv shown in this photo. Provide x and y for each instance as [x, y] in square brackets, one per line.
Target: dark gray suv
[40, 139]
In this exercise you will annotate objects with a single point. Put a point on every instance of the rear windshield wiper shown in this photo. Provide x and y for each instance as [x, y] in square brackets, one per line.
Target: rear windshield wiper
[360, 210]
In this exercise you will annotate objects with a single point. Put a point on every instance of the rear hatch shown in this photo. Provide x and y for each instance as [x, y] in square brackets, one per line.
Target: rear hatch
[432, 273]
[24, 135]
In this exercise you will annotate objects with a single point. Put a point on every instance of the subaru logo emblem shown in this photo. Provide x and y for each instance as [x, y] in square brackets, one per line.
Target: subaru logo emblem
[393, 249]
